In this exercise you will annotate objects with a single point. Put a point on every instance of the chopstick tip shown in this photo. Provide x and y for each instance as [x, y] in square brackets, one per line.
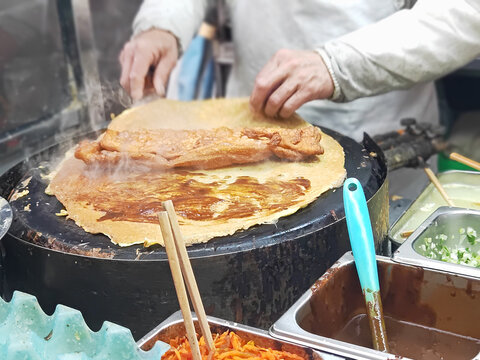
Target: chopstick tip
[167, 203]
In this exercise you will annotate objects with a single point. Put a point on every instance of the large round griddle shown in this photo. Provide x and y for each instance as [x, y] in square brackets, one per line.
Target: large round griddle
[36, 220]
[251, 277]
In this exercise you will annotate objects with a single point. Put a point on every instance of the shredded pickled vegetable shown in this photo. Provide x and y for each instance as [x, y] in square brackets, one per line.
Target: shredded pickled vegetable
[228, 346]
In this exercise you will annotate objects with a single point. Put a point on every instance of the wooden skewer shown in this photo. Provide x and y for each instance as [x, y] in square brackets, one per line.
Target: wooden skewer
[178, 282]
[188, 275]
[464, 160]
[439, 186]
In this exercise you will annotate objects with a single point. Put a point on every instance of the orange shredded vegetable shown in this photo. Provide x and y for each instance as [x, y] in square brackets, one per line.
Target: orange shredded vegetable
[228, 346]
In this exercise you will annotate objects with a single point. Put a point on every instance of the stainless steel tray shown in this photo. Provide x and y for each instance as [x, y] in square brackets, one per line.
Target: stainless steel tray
[462, 186]
[173, 326]
[444, 220]
[448, 304]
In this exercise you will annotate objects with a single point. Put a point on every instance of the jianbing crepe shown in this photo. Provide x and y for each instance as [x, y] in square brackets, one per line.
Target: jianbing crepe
[122, 202]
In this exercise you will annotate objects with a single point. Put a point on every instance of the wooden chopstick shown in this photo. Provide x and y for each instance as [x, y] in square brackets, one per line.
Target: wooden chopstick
[188, 275]
[464, 160]
[178, 282]
[438, 185]
[441, 190]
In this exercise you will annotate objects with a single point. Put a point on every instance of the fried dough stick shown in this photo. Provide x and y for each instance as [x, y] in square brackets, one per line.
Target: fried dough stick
[205, 148]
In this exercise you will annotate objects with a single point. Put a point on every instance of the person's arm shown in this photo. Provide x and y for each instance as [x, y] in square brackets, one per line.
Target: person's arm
[426, 42]
[162, 29]
[182, 18]
[411, 46]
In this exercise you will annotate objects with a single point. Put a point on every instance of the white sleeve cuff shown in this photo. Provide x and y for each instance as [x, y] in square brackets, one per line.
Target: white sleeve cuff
[182, 18]
[337, 92]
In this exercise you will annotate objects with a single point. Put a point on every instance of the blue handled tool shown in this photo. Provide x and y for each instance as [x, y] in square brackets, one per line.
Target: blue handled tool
[363, 248]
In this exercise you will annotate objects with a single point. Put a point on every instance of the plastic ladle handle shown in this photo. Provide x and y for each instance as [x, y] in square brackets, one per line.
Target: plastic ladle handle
[361, 240]
[360, 232]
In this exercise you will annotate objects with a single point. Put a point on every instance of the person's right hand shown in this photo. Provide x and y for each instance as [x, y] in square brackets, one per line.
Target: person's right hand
[155, 50]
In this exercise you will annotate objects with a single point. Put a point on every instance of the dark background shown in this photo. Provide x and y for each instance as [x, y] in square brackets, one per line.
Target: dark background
[37, 104]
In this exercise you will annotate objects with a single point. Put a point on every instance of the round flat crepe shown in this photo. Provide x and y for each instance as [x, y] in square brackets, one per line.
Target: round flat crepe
[209, 203]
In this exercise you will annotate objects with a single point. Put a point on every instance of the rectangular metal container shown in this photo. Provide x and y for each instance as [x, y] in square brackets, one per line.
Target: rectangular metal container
[444, 220]
[433, 304]
[463, 187]
[173, 326]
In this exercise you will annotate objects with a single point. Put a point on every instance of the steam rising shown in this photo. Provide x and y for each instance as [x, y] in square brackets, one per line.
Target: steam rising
[126, 168]
[108, 98]
[81, 119]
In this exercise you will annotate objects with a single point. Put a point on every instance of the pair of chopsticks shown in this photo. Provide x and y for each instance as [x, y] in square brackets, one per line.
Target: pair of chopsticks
[457, 157]
[454, 156]
[434, 180]
[182, 271]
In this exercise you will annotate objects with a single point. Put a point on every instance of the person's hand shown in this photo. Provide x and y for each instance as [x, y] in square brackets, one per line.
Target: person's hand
[151, 50]
[290, 79]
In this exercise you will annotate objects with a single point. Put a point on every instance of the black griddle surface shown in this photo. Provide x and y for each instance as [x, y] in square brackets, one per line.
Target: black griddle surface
[35, 220]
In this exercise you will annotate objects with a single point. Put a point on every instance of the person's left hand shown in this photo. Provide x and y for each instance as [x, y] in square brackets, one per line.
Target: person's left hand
[290, 79]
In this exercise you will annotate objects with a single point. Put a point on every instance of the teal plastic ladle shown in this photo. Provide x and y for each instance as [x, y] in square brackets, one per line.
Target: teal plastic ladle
[363, 248]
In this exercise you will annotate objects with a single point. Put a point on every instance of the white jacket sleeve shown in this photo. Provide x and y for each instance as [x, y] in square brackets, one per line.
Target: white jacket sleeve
[411, 46]
[180, 17]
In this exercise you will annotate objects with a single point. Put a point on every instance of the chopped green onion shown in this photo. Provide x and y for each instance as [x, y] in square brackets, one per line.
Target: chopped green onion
[438, 249]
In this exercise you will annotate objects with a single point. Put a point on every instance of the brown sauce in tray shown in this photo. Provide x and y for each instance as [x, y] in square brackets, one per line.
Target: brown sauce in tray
[428, 315]
[412, 340]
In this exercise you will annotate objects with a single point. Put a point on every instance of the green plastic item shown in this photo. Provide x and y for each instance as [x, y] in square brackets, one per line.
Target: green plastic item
[27, 333]
[444, 163]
